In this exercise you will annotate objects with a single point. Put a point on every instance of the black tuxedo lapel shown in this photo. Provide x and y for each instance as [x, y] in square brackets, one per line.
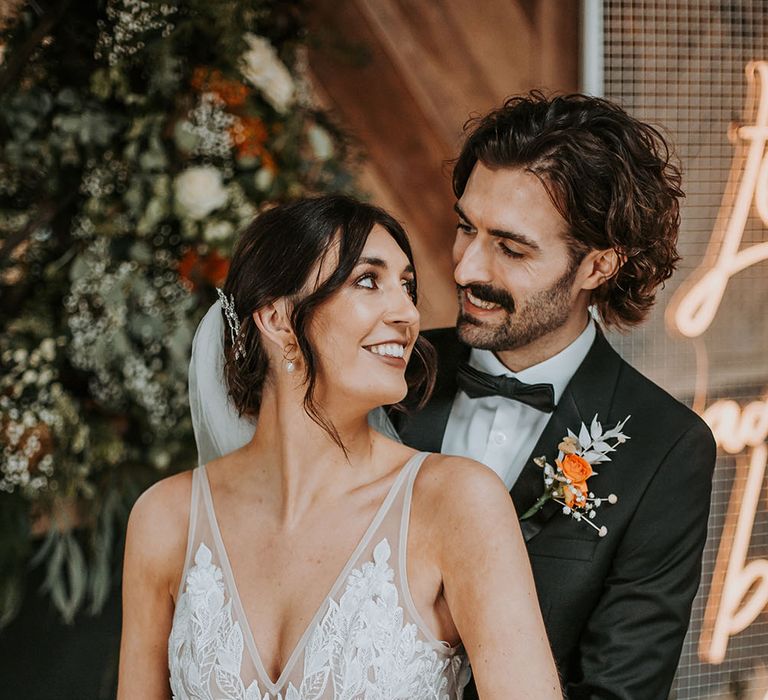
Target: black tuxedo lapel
[530, 484]
[589, 393]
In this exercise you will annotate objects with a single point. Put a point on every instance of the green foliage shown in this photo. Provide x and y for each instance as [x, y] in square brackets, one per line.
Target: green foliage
[136, 138]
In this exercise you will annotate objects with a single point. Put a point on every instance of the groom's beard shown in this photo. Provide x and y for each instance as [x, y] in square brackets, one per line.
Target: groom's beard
[520, 324]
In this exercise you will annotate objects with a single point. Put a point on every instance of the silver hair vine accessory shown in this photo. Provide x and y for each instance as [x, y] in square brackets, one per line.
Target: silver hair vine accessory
[228, 304]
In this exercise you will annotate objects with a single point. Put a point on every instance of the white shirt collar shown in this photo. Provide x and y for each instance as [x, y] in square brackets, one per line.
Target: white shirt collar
[557, 370]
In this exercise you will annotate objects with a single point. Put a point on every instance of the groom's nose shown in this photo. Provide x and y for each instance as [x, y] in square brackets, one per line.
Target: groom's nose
[472, 263]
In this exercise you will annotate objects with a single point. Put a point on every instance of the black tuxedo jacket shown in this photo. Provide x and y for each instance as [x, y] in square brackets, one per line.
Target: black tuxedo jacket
[616, 608]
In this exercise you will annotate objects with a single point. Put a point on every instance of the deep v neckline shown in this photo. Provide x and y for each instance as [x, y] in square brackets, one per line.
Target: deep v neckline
[275, 686]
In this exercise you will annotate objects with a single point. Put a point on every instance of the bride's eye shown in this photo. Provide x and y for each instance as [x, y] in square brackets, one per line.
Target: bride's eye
[410, 288]
[368, 281]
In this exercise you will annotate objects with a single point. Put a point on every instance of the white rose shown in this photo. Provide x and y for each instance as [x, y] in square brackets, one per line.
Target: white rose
[262, 68]
[320, 141]
[263, 179]
[198, 192]
[217, 231]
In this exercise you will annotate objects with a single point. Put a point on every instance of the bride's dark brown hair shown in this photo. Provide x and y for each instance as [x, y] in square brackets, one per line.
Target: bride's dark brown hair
[274, 259]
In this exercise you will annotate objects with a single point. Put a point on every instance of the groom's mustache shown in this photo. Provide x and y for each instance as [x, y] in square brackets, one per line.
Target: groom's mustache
[486, 292]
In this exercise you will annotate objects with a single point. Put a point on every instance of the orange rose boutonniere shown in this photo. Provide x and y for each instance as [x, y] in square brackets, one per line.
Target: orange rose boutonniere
[578, 470]
[566, 482]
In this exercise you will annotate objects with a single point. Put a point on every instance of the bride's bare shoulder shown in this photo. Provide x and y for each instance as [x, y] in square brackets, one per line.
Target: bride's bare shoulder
[453, 490]
[159, 523]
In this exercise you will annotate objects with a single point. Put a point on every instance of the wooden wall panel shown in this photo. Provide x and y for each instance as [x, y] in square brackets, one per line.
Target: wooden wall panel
[404, 76]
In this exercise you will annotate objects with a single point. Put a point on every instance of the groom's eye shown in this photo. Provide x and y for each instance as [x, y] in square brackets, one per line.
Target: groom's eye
[464, 228]
[509, 252]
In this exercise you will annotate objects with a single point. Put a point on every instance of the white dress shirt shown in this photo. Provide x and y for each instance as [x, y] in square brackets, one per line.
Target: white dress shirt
[501, 432]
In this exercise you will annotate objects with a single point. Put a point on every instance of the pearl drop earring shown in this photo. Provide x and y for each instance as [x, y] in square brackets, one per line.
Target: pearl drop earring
[290, 365]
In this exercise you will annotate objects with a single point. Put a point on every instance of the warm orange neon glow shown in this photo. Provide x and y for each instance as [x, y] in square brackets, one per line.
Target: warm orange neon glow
[739, 591]
[739, 588]
[693, 308]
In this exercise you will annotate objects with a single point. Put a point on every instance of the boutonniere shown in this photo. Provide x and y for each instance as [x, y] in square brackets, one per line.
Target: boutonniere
[566, 482]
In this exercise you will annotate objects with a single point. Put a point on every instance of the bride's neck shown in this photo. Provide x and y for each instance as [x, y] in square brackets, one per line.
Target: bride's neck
[306, 463]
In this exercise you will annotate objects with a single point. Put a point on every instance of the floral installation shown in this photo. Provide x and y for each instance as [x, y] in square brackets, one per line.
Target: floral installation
[137, 137]
[566, 482]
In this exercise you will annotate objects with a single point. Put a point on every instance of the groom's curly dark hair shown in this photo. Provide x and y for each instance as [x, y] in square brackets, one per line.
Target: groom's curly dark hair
[609, 175]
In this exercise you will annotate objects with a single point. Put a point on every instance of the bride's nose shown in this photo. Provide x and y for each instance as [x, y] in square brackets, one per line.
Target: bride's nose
[401, 309]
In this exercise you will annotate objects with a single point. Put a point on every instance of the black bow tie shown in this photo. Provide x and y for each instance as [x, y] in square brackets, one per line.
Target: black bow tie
[476, 384]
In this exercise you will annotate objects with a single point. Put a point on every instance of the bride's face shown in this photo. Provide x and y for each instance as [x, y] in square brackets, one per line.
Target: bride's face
[365, 333]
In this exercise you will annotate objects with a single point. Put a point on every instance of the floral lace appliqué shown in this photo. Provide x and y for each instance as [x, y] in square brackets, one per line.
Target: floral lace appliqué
[360, 650]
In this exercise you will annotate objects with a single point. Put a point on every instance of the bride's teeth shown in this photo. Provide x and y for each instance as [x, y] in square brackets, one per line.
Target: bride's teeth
[388, 349]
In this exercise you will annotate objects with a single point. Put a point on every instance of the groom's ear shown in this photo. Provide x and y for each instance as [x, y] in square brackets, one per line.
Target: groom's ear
[274, 324]
[599, 266]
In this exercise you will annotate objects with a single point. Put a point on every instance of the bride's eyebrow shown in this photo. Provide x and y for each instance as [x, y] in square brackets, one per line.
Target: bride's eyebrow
[378, 262]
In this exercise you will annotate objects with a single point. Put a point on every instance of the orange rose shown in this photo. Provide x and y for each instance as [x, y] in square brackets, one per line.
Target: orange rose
[231, 92]
[576, 468]
[575, 499]
[215, 268]
[249, 135]
[194, 269]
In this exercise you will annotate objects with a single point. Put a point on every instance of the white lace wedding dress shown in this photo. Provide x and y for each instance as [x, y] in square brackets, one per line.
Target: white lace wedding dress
[366, 642]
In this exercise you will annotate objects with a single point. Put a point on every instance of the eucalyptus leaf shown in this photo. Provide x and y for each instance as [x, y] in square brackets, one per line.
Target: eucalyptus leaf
[11, 595]
[77, 574]
[55, 561]
[44, 549]
[100, 578]
[58, 592]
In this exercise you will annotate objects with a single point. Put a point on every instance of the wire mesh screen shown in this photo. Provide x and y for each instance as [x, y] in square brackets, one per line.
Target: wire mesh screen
[693, 67]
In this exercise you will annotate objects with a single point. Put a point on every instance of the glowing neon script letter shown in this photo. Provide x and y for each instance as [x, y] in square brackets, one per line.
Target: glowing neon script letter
[693, 308]
[738, 597]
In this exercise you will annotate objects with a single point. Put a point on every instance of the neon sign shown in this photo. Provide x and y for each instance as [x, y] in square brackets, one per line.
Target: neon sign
[739, 591]
[694, 307]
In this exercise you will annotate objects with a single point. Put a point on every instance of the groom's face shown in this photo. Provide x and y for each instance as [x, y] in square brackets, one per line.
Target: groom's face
[514, 271]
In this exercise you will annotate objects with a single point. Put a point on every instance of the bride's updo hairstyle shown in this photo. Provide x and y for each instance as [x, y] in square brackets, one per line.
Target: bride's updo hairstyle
[275, 258]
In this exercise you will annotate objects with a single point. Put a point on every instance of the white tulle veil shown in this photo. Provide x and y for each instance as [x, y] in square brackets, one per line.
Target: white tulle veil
[218, 427]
